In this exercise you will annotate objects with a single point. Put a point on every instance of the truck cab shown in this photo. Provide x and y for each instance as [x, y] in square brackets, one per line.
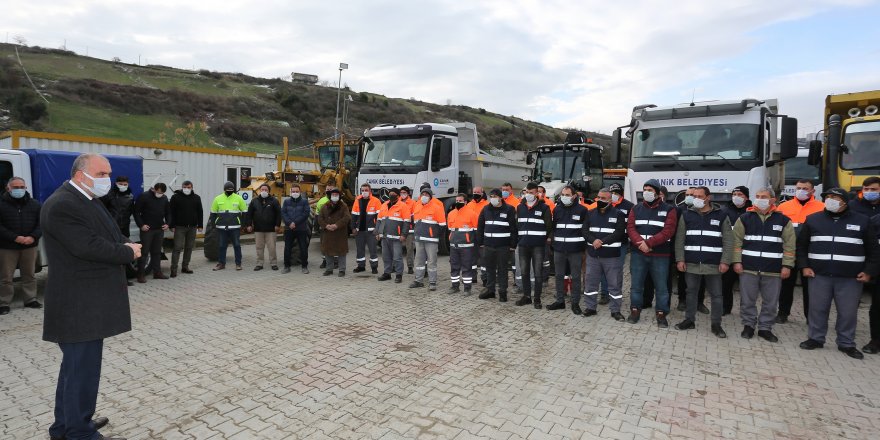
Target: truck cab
[578, 162]
[717, 144]
[798, 168]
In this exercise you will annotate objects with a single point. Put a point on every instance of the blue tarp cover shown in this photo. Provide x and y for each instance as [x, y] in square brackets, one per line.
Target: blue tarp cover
[51, 168]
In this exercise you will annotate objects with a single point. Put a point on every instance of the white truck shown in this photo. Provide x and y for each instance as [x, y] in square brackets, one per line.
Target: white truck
[578, 162]
[445, 156]
[717, 144]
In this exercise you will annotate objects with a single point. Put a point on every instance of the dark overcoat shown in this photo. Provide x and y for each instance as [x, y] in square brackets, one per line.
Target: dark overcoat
[86, 294]
[334, 243]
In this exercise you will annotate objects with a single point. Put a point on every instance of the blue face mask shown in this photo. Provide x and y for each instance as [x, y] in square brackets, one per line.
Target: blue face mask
[871, 196]
[17, 193]
[505, 194]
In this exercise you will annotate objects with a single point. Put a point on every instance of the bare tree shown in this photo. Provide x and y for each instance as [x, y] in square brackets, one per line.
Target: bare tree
[20, 40]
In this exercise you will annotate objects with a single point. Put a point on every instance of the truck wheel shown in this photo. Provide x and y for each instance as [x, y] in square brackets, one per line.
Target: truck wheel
[211, 243]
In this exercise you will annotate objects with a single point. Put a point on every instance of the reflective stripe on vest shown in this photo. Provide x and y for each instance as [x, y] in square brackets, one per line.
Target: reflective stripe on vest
[762, 242]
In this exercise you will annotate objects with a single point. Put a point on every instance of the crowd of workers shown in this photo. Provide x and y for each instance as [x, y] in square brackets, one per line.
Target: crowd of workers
[764, 247]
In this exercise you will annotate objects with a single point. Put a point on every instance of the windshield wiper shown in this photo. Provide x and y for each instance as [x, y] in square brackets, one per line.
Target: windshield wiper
[656, 165]
[726, 160]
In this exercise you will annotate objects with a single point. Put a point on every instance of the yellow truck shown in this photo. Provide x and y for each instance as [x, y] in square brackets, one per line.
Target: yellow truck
[851, 151]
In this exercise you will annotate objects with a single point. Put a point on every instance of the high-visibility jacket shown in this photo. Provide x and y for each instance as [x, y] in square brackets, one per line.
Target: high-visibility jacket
[228, 211]
[550, 203]
[393, 221]
[429, 220]
[462, 225]
[372, 212]
[798, 212]
[476, 207]
[411, 204]
[512, 200]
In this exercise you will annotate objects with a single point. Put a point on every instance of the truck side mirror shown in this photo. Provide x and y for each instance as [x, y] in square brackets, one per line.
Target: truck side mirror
[526, 178]
[530, 159]
[788, 146]
[441, 154]
[815, 156]
[615, 145]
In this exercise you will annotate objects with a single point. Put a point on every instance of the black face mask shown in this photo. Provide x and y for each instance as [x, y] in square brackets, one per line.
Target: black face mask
[601, 204]
[459, 205]
[228, 192]
[392, 199]
[478, 197]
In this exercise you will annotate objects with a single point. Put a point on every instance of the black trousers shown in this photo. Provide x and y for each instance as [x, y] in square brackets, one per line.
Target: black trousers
[786, 294]
[152, 249]
[77, 391]
[301, 239]
[728, 279]
[497, 264]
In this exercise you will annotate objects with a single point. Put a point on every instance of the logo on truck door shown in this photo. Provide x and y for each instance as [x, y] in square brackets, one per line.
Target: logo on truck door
[438, 182]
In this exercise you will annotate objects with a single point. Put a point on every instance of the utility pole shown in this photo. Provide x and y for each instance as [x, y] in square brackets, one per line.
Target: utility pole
[342, 66]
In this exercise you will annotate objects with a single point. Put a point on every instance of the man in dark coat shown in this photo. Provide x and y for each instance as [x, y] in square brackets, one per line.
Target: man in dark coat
[295, 213]
[187, 218]
[120, 202]
[264, 216]
[86, 293]
[152, 213]
[19, 236]
[333, 221]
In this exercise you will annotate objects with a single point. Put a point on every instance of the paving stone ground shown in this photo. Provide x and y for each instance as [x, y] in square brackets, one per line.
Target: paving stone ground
[261, 355]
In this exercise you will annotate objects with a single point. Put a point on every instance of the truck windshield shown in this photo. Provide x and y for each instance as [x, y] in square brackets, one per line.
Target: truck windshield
[862, 140]
[550, 165]
[797, 168]
[397, 152]
[329, 156]
[727, 141]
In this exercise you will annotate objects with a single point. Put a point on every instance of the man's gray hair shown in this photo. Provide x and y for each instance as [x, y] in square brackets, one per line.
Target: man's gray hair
[768, 190]
[14, 178]
[79, 164]
[604, 190]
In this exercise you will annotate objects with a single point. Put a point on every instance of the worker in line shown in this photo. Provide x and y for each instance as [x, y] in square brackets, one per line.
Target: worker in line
[797, 209]
[569, 244]
[623, 206]
[837, 251]
[364, 211]
[651, 227]
[409, 247]
[476, 205]
[868, 203]
[509, 197]
[264, 220]
[320, 203]
[648, 293]
[763, 256]
[681, 278]
[605, 232]
[496, 237]
[703, 252]
[430, 219]
[548, 248]
[534, 226]
[152, 213]
[873, 346]
[739, 204]
[392, 227]
[227, 212]
[462, 234]
[295, 213]
[334, 220]
[187, 218]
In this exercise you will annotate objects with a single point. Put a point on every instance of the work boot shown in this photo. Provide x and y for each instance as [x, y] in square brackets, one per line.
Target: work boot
[768, 336]
[328, 272]
[409, 271]
[398, 279]
[872, 347]
[556, 306]
[852, 352]
[258, 267]
[416, 285]
[661, 320]
[523, 301]
[141, 277]
[718, 331]
[186, 270]
[467, 289]
[173, 272]
[323, 264]
[576, 309]
[341, 273]
[384, 277]
[359, 269]
[616, 315]
[748, 332]
[811, 344]
[687, 324]
[487, 294]
[502, 296]
[633, 316]
[432, 287]
[603, 299]
[375, 269]
[454, 288]
[589, 312]
[219, 266]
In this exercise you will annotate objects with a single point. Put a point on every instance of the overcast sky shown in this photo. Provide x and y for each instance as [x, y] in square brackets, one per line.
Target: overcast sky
[564, 63]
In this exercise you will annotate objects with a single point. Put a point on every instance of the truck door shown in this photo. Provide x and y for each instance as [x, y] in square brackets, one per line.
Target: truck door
[595, 172]
[443, 172]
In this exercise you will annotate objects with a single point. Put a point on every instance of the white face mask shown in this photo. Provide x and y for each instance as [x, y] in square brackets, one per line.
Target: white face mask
[404, 196]
[566, 200]
[366, 194]
[761, 204]
[615, 198]
[495, 201]
[264, 194]
[159, 195]
[699, 203]
[426, 199]
[649, 196]
[294, 195]
[689, 200]
[100, 185]
[802, 194]
[334, 198]
[738, 201]
[833, 205]
[122, 188]
[530, 198]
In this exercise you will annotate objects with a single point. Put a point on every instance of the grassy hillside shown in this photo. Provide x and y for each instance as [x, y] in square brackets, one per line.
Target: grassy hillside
[96, 97]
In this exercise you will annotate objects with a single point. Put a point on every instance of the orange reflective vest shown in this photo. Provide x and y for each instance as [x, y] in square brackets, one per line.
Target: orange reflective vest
[373, 207]
[512, 200]
[797, 212]
[462, 227]
[428, 220]
[393, 222]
